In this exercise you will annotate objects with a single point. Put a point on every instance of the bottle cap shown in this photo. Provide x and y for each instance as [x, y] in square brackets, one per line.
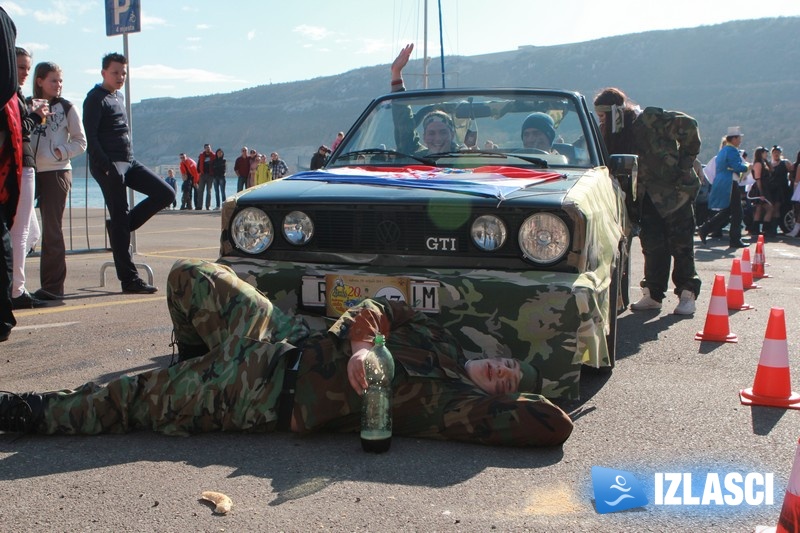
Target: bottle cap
[380, 340]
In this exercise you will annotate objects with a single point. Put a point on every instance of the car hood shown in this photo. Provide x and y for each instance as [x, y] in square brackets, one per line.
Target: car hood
[412, 184]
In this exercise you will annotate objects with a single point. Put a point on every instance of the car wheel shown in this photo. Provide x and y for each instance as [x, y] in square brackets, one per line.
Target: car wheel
[787, 221]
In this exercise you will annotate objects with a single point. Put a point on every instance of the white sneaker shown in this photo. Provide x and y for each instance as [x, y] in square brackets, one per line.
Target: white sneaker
[645, 302]
[686, 306]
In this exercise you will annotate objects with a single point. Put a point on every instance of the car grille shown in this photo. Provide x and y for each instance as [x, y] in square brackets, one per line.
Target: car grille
[383, 229]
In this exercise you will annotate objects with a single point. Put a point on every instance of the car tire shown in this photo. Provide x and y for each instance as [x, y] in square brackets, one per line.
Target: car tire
[787, 220]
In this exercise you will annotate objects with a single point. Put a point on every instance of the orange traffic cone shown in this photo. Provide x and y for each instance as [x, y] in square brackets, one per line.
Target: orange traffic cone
[735, 289]
[790, 511]
[789, 521]
[772, 386]
[717, 328]
[747, 271]
[763, 243]
[758, 261]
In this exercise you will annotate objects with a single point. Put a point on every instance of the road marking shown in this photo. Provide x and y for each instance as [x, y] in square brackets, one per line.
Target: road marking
[183, 250]
[43, 326]
[65, 308]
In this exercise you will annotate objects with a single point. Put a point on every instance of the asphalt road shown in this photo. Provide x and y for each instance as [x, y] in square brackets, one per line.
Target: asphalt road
[670, 406]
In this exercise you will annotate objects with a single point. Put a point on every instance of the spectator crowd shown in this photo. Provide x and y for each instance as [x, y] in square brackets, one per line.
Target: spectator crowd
[207, 173]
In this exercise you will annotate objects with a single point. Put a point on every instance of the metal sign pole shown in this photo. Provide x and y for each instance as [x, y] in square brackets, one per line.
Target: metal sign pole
[126, 53]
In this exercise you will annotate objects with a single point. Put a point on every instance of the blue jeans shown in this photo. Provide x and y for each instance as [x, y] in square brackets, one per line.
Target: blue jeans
[219, 187]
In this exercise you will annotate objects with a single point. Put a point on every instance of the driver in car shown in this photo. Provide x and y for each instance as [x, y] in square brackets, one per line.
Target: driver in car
[539, 132]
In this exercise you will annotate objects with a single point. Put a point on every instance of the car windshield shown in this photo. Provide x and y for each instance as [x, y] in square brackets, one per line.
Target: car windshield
[467, 130]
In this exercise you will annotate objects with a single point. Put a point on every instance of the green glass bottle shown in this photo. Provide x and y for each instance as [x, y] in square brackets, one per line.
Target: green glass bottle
[376, 406]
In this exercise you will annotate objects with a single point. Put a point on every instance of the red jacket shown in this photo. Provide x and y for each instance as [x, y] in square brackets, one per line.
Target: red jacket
[189, 168]
[201, 162]
[242, 166]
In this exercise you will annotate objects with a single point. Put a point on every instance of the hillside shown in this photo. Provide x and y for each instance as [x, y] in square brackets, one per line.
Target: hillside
[739, 73]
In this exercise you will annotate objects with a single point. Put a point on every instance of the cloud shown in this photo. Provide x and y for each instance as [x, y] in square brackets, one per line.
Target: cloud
[251, 35]
[15, 10]
[189, 75]
[193, 39]
[61, 12]
[372, 46]
[148, 21]
[315, 33]
[51, 17]
[35, 47]
[203, 26]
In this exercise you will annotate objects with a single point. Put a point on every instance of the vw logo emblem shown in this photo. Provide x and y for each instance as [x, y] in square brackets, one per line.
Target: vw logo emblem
[388, 232]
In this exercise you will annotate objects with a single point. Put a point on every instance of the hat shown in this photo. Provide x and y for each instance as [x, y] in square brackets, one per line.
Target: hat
[776, 147]
[438, 116]
[530, 380]
[734, 131]
[542, 122]
[323, 147]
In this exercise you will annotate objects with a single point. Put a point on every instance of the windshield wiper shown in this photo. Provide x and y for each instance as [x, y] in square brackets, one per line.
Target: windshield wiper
[538, 161]
[373, 151]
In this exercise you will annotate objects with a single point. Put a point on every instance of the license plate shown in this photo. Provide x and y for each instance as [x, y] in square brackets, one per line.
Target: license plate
[348, 290]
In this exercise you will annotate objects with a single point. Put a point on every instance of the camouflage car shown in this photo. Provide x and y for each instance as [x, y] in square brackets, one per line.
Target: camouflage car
[519, 250]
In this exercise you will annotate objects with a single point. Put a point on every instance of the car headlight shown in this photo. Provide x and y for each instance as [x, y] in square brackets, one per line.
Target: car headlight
[544, 238]
[488, 233]
[252, 230]
[298, 228]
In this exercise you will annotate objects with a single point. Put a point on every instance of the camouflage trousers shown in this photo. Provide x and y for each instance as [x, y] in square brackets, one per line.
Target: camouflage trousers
[664, 240]
[233, 387]
[236, 385]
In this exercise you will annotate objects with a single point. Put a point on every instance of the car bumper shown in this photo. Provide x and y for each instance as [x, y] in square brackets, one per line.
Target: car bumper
[555, 321]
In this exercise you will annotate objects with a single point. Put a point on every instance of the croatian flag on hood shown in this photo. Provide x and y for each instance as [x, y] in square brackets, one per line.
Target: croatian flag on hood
[491, 181]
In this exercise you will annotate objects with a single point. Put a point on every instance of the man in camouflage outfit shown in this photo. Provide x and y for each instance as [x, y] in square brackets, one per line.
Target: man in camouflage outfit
[667, 143]
[257, 357]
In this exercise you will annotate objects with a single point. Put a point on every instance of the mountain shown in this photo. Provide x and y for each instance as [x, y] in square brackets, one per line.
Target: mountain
[739, 73]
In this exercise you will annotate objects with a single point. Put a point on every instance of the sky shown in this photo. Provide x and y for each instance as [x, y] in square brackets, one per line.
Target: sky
[201, 47]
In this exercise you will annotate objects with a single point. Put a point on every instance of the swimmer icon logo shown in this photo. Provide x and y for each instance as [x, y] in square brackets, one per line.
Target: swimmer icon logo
[616, 490]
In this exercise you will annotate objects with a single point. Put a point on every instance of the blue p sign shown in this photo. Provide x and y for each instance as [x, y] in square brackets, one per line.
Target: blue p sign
[123, 16]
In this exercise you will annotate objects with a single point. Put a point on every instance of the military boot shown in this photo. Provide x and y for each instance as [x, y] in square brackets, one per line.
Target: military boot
[20, 413]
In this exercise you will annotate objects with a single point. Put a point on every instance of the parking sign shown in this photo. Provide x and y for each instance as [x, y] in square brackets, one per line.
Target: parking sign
[123, 16]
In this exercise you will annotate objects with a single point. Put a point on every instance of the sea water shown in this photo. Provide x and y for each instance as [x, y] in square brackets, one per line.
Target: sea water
[85, 191]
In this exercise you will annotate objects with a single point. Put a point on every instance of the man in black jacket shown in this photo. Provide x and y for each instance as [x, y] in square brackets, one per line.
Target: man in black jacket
[113, 166]
[320, 157]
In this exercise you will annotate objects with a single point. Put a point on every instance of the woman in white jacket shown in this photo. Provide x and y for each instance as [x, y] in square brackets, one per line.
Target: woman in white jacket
[61, 139]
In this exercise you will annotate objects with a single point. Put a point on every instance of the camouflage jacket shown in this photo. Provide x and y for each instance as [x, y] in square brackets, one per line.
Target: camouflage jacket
[667, 143]
[236, 386]
[432, 395]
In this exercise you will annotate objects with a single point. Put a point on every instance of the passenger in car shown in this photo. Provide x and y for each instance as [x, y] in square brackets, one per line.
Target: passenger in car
[438, 129]
[246, 366]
